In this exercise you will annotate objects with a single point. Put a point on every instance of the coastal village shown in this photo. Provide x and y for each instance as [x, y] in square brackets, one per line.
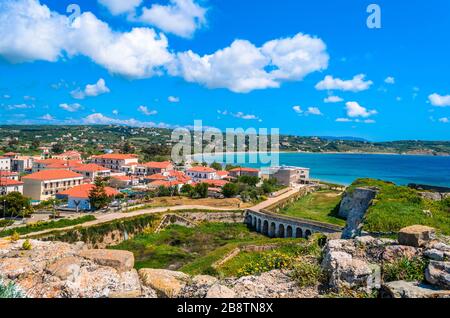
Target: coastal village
[68, 178]
[111, 225]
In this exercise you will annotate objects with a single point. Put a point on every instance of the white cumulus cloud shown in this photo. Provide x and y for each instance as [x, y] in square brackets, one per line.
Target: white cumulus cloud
[389, 80]
[91, 90]
[356, 110]
[117, 7]
[70, 107]
[30, 31]
[144, 110]
[173, 99]
[180, 17]
[47, 117]
[242, 67]
[357, 84]
[439, 100]
[100, 119]
[444, 120]
[333, 99]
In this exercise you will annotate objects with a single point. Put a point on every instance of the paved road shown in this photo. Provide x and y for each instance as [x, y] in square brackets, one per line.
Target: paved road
[271, 201]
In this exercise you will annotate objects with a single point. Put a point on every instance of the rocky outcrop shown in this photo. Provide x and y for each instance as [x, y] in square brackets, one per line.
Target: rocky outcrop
[353, 207]
[347, 268]
[438, 273]
[166, 283]
[122, 261]
[61, 270]
[416, 235]
[404, 289]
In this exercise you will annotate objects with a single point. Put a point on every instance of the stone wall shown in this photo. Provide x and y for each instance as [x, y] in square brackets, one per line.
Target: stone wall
[353, 207]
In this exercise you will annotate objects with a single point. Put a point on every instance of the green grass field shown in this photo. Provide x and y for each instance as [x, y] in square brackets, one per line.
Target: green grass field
[319, 206]
[180, 247]
[396, 207]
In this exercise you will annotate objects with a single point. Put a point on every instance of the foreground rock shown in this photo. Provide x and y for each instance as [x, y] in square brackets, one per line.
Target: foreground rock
[416, 235]
[403, 289]
[438, 273]
[166, 283]
[61, 270]
[122, 261]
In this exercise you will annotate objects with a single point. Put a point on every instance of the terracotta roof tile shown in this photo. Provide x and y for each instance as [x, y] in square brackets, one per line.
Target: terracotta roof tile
[52, 175]
[82, 191]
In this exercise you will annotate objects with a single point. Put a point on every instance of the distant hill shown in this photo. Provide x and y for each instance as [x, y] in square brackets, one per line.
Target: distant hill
[342, 138]
[157, 141]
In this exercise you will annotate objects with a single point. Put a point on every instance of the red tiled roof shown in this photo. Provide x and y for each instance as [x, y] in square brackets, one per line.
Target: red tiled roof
[215, 183]
[52, 175]
[116, 156]
[157, 165]
[82, 191]
[8, 173]
[9, 154]
[165, 183]
[202, 169]
[222, 173]
[91, 167]
[122, 178]
[157, 176]
[9, 182]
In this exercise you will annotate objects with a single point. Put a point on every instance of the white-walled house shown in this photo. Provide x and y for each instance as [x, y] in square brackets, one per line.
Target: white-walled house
[201, 173]
[78, 197]
[9, 185]
[5, 163]
[114, 162]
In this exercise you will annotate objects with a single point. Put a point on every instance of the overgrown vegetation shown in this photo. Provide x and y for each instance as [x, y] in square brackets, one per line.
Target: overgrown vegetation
[322, 206]
[177, 246]
[396, 207]
[409, 269]
[10, 290]
[45, 225]
[96, 234]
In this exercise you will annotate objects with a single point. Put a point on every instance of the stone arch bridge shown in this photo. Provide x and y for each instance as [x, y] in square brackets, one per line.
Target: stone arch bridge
[275, 225]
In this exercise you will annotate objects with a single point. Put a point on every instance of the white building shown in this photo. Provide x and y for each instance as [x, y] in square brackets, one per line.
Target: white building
[78, 197]
[92, 171]
[287, 175]
[201, 173]
[9, 185]
[5, 163]
[114, 161]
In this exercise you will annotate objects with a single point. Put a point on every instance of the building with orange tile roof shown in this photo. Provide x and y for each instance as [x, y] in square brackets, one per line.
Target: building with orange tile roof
[201, 173]
[91, 171]
[122, 182]
[78, 197]
[250, 172]
[53, 164]
[149, 168]
[69, 155]
[46, 184]
[114, 161]
[8, 185]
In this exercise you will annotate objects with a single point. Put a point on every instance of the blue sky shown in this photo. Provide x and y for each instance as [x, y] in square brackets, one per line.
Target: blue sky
[306, 67]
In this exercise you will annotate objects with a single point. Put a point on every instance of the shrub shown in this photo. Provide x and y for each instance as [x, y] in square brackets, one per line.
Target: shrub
[26, 246]
[307, 274]
[267, 262]
[405, 269]
[15, 236]
[5, 223]
[230, 190]
[10, 290]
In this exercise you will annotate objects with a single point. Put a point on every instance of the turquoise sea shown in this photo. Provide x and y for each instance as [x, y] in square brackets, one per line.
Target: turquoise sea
[345, 168]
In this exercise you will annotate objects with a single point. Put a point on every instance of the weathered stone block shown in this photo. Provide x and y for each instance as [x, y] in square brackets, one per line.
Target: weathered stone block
[166, 283]
[220, 291]
[65, 268]
[416, 235]
[122, 261]
[404, 289]
[438, 273]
